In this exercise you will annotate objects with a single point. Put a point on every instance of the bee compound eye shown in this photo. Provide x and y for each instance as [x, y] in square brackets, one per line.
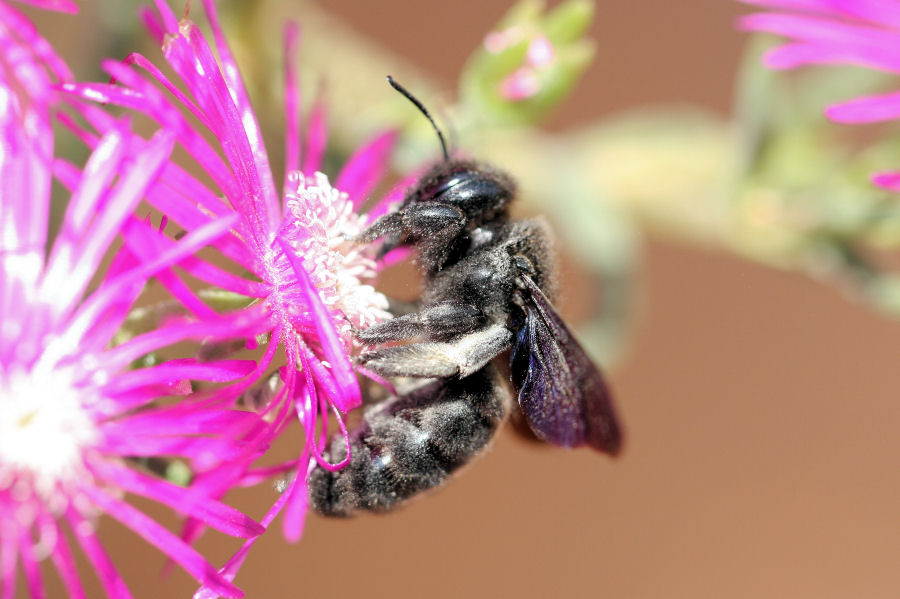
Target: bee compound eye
[449, 184]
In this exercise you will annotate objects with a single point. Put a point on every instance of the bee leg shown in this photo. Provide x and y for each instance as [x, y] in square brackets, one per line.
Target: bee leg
[440, 321]
[389, 224]
[460, 357]
[435, 225]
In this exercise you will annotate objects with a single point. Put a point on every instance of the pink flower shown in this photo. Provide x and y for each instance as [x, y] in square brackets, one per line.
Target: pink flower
[309, 284]
[865, 33]
[73, 410]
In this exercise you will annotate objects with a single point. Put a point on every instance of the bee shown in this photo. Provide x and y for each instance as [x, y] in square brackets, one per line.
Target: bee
[487, 283]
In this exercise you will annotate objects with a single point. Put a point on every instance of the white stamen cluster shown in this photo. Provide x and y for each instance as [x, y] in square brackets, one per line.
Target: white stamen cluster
[324, 222]
[44, 429]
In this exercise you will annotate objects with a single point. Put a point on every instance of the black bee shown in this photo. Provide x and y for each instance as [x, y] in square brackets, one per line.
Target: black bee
[487, 279]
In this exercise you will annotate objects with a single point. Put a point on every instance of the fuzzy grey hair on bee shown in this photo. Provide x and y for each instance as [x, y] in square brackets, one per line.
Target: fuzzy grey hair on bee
[488, 280]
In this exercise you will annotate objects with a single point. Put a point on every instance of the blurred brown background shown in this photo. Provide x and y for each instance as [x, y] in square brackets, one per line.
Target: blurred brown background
[761, 407]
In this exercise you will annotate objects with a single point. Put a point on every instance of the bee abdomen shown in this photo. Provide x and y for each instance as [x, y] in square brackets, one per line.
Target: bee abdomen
[409, 444]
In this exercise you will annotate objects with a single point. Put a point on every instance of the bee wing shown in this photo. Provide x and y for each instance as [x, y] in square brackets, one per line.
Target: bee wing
[561, 392]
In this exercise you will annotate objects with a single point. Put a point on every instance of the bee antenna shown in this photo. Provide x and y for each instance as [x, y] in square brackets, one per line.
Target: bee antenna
[424, 111]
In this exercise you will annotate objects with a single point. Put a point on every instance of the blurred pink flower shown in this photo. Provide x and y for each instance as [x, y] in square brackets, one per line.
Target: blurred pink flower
[309, 283]
[72, 407]
[865, 33]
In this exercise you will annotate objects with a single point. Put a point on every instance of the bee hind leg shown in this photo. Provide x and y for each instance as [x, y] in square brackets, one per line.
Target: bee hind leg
[459, 357]
[437, 322]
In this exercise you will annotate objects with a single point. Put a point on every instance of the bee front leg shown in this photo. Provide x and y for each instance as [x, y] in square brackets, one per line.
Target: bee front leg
[434, 225]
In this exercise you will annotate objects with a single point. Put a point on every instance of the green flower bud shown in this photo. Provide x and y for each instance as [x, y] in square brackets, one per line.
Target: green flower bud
[529, 62]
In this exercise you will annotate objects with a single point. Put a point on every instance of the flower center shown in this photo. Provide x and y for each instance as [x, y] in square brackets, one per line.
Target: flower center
[44, 428]
[321, 224]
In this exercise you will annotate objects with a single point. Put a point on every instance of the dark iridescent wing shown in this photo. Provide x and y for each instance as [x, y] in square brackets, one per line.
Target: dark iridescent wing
[561, 392]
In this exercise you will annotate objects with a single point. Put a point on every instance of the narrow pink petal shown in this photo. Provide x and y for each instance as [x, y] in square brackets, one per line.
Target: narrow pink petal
[878, 12]
[791, 56]
[36, 43]
[109, 577]
[185, 555]
[248, 118]
[395, 256]
[807, 5]
[192, 58]
[140, 61]
[867, 109]
[9, 554]
[190, 421]
[291, 99]
[178, 370]
[89, 139]
[152, 23]
[169, 20]
[394, 196]
[148, 243]
[126, 401]
[365, 168]
[145, 98]
[30, 565]
[377, 378]
[856, 44]
[24, 188]
[230, 570]
[295, 511]
[63, 559]
[316, 139]
[90, 310]
[184, 294]
[58, 5]
[247, 322]
[203, 454]
[889, 180]
[95, 181]
[66, 277]
[220, 479]
[184, 500]
[341, 368]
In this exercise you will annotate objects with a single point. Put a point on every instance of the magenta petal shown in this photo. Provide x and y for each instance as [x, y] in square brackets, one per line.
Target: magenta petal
[230, 570]
[63, 559]
[30, 564]
[341, 368]
[147, 243]
[9, 553]
[365, 168]
[243, 323]
[184, 500]
[316, 139]
[177, 420]
[248, 118]
[67, 277]
[394, 196]
[37, 46]
[177, 370]
[110, 578]
[867, 109]
[295, 512]
[185, 555]
[58, 5]
[888, 180]
[108, 294]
